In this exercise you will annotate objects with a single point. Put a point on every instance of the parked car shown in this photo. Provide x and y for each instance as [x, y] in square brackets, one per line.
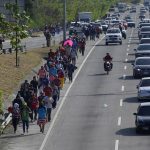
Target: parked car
[142, 50]
[142, 117]
[141, 67]
[144, 89]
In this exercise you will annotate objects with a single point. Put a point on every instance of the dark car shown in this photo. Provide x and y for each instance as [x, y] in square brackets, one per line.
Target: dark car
[131, 23]
[142, 119]
[141, 67]
[142, 50]
[145, 40]
[143, 30]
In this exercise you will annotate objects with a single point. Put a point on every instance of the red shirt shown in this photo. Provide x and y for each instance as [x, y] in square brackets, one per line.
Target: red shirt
[47, 91]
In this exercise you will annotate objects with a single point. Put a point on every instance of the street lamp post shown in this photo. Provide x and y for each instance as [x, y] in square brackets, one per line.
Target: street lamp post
[17, 64]
[64, 21]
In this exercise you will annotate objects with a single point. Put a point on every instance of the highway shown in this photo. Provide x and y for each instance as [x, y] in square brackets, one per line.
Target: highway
[96, 110]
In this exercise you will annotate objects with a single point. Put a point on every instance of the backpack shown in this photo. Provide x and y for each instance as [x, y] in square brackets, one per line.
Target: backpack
[15, 113]
[42, 112]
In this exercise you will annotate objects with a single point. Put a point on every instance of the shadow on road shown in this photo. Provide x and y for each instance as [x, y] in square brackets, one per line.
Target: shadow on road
[131, 100]
[129, 61]
[129, 77]
[131, 132]
[18, 135]
[98, 74]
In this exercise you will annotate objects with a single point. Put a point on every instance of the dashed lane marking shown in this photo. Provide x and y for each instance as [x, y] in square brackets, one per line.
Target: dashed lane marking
[116, 144]
[121, 102]
[124, 77]
[119, 121]
[125, 67]
[122, 88]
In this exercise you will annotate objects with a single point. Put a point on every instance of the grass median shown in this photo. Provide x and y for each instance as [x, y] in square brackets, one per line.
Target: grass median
[10, 76]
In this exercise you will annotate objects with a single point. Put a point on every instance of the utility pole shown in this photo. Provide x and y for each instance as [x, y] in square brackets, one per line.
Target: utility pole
[64, 19]
[17, 63]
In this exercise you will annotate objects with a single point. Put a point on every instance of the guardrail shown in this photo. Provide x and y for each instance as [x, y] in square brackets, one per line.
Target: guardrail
[10, 50]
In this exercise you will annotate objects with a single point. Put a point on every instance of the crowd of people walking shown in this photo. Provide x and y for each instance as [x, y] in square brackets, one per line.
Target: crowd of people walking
[37, 98]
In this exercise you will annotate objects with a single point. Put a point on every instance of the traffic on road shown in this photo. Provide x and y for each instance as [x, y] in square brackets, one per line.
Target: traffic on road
[105, 104]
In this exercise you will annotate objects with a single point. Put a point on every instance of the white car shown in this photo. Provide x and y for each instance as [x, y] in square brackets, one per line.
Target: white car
[113, 35]
[144, 89]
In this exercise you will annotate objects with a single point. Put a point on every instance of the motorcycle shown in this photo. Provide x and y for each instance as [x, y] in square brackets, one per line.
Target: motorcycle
[107, 66]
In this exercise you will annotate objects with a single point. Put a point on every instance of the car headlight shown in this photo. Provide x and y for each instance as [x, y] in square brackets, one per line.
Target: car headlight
[137, 69]
[140, 122]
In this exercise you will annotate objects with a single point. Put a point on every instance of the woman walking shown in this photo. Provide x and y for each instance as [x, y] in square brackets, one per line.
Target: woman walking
[42, 118]
[15, 116]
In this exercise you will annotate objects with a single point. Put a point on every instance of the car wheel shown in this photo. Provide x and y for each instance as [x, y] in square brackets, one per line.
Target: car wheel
[125, 37]
[138, 130]
[121, 43]
[106, 43]
[135, 76]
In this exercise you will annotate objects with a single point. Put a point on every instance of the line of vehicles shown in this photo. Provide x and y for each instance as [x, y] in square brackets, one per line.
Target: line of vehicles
[141, 70]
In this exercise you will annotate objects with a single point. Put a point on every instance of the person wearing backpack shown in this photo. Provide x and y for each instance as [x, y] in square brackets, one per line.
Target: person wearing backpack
[42, 116]
[15, 116]
[25, 111]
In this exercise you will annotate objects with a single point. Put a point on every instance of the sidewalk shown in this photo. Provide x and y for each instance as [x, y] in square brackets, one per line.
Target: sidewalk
[31, 141]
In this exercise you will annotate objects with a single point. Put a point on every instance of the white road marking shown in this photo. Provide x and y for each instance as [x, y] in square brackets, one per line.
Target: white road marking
[126, 60]
[124, 77]
[122, 88]
[119, 121]
[105, 105]
[128, 45]
[125, 67]
[64, 98]
[116, 144]
[127, 54]
[127, 49]
[121, 102]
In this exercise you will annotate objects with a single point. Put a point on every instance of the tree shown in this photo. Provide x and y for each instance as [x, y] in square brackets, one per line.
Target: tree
[17, 29]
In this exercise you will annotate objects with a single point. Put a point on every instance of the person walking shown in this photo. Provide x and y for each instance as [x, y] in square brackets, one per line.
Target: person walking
[15, 116]
[25, 110]
[34, 83]
[42, 119]
[48, 101]
[70, 70]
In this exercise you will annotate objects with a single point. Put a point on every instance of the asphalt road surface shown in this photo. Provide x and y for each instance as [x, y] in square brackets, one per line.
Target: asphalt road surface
[96, 110]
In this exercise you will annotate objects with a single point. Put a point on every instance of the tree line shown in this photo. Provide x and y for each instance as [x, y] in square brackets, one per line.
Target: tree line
[51, 11]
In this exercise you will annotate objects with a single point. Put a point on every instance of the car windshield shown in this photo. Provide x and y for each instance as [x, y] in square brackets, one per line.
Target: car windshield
[145, 29]
[129, 20]
[145, 41]
[143, 62]
[113, 31]
[143, 47]
[143, 25]
[144, 111]
[145, 82]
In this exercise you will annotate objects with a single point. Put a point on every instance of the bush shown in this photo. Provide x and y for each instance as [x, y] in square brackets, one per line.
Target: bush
[1, 102]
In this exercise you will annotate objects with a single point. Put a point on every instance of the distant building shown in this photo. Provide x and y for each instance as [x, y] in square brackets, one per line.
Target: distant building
[21, 4]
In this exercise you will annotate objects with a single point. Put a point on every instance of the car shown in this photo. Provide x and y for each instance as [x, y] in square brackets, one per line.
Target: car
[113, 35]
[145, 35]
[144, 40]
[130, 23]
[142, 50]
[141, 67]
[142, 117]
[144, 89]
[104, 26]
[143, 30]
[141, 16]
[144, 25]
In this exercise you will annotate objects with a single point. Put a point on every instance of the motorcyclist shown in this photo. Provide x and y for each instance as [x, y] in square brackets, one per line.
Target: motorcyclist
[106, 59]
